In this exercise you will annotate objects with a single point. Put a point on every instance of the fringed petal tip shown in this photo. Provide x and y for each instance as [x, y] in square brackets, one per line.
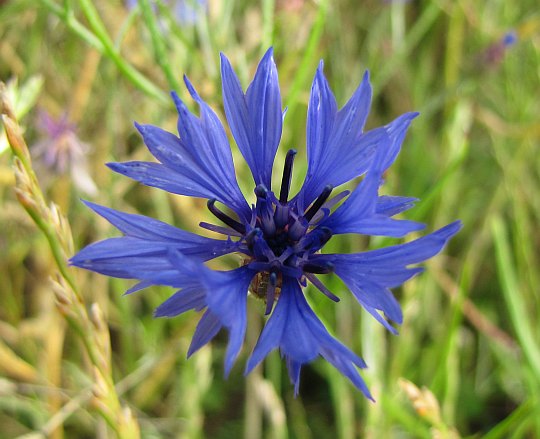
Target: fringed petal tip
[366, 76]
[451, 229]
[138, 287]
[295, 330]
[72, 262]
[191, 90]
[90, 204]
[139, 127]
[119, 167]
[268, 56]
[411, 115]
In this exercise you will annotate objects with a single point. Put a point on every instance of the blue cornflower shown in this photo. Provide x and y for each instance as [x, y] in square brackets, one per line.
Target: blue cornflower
[280, 237]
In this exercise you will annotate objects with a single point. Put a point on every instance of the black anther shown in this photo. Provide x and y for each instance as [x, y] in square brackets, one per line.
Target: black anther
[287, 173]
[233, 224]
[318, 202]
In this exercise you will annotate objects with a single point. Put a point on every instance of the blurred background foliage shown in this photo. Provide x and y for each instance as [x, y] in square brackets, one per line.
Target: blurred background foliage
[467, 361]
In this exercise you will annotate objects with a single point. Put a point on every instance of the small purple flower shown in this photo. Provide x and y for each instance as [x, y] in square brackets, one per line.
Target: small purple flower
[495, 53]
[279, 237]
[60, 151]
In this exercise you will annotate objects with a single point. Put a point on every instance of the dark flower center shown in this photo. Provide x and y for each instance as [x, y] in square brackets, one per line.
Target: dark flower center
[281, 237]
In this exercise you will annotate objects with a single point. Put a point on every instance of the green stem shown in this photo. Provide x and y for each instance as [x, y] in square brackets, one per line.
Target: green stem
[111, 51]
[66, 15]
[56, 247]
[268, 23]
[160, 53]
[508, 425]
[309, 52]
[415, 35]
[101, 41]
[513, 296]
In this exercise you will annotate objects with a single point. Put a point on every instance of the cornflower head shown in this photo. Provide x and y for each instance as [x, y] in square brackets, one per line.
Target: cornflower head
[279, 236]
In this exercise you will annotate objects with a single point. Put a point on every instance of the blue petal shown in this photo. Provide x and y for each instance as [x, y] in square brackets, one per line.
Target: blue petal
[373, 295]
[144, 253]
[396, 130]
[255, 118]
[198, 163]
[337, 149]
[182, 301]
[322, 111]
[327, 342]
[149, 229]
[296, 330]
[297, 341]
[206, 330]
[122, 257]
[402, 255]
[209, 145]
[168, 148]
[131, 258]
[369, 275]
[391, 277]
[294, 368]
[358, 214]
[191, 181]
[138, 287]
[226, 299]
[180, 172]
[375, 313]
[271, 335]
[380, 225]
[348, 369]
[392, 205]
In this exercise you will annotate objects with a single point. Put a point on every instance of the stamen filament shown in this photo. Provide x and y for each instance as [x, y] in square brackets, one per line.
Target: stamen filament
[219, 229]
[233, 224]
[318, 202]
[322, 288]
[287, 173]
[325, 268]
[281, 215]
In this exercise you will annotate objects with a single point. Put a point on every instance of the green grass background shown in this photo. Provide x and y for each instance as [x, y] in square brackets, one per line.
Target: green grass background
[471, 332]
